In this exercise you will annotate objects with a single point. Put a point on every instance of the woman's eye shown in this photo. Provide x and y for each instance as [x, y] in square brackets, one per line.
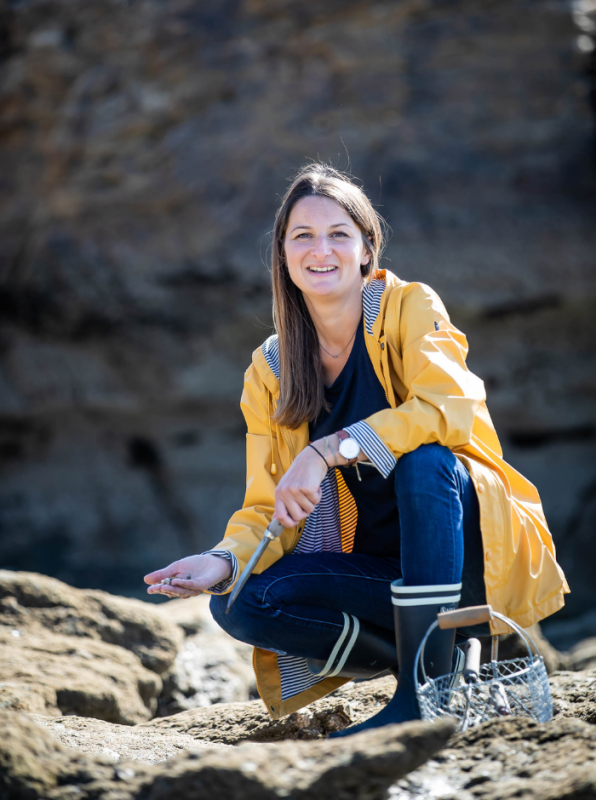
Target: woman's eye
[340, 233]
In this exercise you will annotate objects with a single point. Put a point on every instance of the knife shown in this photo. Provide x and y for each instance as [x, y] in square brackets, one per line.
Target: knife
[274, 531]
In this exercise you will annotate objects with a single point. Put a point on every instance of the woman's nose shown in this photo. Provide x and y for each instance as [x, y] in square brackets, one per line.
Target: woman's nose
[321, 247]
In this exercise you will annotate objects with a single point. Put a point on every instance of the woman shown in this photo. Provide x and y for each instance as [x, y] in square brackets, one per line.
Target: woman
[370, 441]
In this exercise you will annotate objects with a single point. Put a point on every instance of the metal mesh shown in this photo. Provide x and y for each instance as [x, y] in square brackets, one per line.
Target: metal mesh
[518, 687]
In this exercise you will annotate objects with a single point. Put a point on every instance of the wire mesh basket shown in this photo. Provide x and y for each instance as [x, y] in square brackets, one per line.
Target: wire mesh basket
[517, 687]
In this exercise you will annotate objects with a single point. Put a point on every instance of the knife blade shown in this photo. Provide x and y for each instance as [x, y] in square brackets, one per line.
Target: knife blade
[274, 531]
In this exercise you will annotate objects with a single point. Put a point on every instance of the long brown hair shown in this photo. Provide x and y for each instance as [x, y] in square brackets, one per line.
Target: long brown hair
[302, 395]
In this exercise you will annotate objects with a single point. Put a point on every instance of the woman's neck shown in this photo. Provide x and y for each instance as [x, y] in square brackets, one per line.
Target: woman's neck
[336, 319]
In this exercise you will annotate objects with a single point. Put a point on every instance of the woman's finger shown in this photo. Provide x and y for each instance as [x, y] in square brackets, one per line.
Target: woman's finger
[299, 497]
[296, 511]
[312, 495]
[304, 504]
[281, 513]
[159, 574]
[196, 587]
[170, 590]
[307, 497]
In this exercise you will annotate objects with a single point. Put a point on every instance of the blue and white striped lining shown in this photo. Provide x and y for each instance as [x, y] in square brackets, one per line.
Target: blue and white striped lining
[223, 586]
[322, 531]
[270, 348]
[374, 447]
[295, 676]
[371, 302]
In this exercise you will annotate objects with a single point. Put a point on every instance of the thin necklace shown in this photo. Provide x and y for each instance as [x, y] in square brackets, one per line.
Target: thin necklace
[345, 348]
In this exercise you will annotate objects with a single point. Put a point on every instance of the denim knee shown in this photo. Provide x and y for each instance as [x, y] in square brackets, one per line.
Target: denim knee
[426, 463]
[244, 621]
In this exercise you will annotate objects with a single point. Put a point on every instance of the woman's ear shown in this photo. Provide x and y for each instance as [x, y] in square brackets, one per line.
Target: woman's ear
[367, 255]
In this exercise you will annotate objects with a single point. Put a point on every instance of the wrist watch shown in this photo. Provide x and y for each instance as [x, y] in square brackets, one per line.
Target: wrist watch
[348, 447]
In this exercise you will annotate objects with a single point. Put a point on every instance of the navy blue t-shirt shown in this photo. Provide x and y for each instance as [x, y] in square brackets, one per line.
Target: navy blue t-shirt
[355, 394]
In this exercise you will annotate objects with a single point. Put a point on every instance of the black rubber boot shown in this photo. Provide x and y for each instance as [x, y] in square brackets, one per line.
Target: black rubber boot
[415, 608]
[362, 650]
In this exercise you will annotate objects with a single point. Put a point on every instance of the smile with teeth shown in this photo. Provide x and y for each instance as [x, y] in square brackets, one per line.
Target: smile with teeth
[322, 269]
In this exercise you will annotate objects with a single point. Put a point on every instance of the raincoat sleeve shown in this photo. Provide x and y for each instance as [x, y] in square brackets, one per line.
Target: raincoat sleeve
[441, 396]
[247, 525]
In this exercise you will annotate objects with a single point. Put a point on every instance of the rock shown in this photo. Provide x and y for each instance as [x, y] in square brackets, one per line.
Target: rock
[211, 666]
[120, 742]
[361, 767]
[57, 619]
[237, 722]
[32, 602]
[51, 674]
[208, 669]
[34, 766]
[510, 758]
[574, 695]
[192, 615]
[505, 758]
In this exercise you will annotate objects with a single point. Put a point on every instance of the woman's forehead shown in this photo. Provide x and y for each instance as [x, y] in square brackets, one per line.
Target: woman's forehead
[318, 211]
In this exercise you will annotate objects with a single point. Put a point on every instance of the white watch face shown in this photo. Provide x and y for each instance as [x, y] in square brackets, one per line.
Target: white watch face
[349, 448]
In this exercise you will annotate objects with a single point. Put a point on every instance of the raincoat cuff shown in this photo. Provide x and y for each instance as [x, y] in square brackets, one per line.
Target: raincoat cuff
[223, 586]
[374, 447]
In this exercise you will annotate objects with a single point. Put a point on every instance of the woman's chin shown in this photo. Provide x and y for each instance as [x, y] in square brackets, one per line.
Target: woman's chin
[323, 284]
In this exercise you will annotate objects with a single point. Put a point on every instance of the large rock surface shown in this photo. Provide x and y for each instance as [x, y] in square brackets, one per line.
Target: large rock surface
[33, 602]
[237, 722]
[504, 758]
[144, 147]
[69, 651]
[120, 742]
[33, 765]
[48, 673]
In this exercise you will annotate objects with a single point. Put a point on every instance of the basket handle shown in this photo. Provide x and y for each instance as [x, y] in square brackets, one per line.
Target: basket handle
[462, 617]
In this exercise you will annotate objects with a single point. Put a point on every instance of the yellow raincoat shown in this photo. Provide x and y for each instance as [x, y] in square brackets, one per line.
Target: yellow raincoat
[419, 357]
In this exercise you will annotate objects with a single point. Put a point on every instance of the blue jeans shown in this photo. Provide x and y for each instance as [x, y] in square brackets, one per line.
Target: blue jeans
[296, 605]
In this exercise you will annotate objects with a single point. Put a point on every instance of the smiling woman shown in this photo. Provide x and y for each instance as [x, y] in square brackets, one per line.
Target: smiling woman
[327, 238]
[369, 440]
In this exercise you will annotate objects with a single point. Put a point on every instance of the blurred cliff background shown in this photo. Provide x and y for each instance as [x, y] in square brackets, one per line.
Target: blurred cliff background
[144, 147]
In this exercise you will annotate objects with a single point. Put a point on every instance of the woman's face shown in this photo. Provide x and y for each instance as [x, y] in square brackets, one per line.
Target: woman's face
[324, 248]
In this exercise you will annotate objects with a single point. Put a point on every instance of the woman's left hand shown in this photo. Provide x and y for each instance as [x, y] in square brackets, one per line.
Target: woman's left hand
[299, 491]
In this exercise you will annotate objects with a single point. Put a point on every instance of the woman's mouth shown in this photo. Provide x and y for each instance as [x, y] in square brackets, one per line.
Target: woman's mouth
[319, 270]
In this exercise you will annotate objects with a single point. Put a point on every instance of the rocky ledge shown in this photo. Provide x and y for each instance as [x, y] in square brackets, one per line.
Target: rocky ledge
[51, 759]
[105, 697]
[34, 766]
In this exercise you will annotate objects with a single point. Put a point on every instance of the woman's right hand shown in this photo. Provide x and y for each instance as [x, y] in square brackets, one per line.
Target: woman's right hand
[299, 490]
[204, 571]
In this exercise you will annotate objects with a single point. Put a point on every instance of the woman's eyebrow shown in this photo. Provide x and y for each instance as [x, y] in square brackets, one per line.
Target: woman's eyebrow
[307, 227]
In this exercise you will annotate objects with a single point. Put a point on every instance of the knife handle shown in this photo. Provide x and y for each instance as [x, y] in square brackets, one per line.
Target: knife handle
[275, 529]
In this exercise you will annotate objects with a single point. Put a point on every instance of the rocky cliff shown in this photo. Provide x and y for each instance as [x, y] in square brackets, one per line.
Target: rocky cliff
[144, 147]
